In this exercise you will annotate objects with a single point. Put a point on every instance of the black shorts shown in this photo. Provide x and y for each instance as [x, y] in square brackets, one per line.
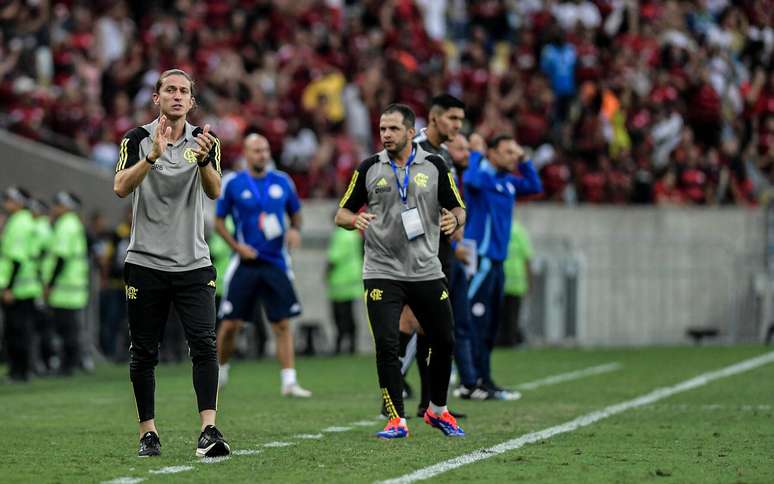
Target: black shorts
[259, 280]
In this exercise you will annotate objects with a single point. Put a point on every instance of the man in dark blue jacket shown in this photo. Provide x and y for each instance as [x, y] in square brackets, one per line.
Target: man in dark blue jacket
[490, 192]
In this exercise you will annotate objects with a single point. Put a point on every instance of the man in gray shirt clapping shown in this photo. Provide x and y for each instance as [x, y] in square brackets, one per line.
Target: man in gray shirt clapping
[169, 166]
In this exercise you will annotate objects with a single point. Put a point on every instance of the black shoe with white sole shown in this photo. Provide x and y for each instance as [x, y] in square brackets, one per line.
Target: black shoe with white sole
[150, 445]
[212, 443]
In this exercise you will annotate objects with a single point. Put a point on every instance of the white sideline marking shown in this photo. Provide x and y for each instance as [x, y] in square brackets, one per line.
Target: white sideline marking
[246, 452]
[337, 429]
[171, 470]
[214, 460]
[278, 444]
[583, 421]
[124, 480]
[572, 375]
[308, 436]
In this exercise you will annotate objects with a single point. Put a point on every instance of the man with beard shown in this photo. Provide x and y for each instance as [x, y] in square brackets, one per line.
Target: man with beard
[444, 122]
[411, 198]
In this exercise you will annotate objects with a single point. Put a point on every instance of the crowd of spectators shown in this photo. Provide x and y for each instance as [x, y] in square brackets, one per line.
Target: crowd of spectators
[619, 101]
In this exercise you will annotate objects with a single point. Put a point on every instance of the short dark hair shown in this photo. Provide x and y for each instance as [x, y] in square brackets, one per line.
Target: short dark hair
[409, 118]
[495, 142]
[446, 102]
[174, 72]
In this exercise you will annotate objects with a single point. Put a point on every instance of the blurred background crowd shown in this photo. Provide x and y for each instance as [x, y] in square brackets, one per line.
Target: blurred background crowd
[620, 101]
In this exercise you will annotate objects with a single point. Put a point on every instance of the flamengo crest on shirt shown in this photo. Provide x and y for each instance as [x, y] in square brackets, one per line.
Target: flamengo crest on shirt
[190, 155]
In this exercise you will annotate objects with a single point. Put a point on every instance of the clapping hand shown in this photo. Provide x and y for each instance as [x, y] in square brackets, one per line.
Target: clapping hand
[161, 138]
[205, 141]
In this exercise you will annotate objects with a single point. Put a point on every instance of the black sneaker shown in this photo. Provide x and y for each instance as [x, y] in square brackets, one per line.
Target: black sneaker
[212, 443]
[421, 413]
[477, 392]
[150, 445]
[501, 393]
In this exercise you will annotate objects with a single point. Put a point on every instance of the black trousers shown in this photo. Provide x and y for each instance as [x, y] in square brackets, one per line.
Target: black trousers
[43, 340]
[66, 326]
[19, 318]
[345, 324]
[509, 333]
[149, 294]
[429, 300]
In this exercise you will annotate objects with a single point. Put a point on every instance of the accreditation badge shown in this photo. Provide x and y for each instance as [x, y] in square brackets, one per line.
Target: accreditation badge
[270, 226]
[412, 224]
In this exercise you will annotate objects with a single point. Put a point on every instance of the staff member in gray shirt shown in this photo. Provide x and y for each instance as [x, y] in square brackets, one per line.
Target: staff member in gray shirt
[169, 166]
[411, 199]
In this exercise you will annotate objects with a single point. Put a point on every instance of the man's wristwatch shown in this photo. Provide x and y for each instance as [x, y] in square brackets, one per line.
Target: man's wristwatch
[204, 162]
[149, 160]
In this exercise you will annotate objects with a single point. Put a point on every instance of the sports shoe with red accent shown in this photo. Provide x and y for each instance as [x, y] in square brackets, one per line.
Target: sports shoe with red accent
[394, 430]
[445, 422]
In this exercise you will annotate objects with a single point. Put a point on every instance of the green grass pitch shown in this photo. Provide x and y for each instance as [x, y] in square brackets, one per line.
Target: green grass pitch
[83, 429]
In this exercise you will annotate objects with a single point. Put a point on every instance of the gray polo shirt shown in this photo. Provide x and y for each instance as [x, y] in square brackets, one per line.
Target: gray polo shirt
[168, 206]
[388, 252]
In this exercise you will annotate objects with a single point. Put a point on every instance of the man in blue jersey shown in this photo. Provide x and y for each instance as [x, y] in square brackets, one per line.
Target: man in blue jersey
[490, 192]
[258, 200]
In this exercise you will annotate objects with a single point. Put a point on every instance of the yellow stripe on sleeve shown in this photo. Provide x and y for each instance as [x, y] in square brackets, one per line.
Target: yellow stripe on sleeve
[122, 155]
[217, 156]
[456, 192]
[350, 189]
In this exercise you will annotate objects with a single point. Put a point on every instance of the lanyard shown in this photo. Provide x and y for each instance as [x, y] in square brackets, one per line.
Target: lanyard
[403, 190]
[254, 188]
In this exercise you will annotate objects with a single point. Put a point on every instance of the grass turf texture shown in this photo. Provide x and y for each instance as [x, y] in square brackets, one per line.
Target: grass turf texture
[83, 430]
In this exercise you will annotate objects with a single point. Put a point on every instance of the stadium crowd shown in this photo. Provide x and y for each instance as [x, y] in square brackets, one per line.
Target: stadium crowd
[622, 101]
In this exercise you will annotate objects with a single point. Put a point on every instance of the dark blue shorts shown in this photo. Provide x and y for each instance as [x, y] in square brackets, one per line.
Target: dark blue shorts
[254, 280]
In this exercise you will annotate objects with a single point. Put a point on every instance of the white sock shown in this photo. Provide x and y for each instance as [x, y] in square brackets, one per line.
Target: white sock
[224, 367]
[288, 376]
[437, 409]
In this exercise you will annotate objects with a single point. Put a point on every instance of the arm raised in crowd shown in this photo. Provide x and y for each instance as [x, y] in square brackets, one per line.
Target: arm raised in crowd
[529, 183]
[478, 175]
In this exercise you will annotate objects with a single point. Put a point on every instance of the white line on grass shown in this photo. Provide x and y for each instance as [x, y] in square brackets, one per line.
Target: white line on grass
[171, 470]
[308, 436]
[124, 480]
[277, 444]
[246, 452]
[572, 375]
[337, 429]
[583, 421]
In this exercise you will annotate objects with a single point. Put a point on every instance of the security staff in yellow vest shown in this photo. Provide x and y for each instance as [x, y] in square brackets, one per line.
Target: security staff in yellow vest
[19, 283]
[67, 276]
